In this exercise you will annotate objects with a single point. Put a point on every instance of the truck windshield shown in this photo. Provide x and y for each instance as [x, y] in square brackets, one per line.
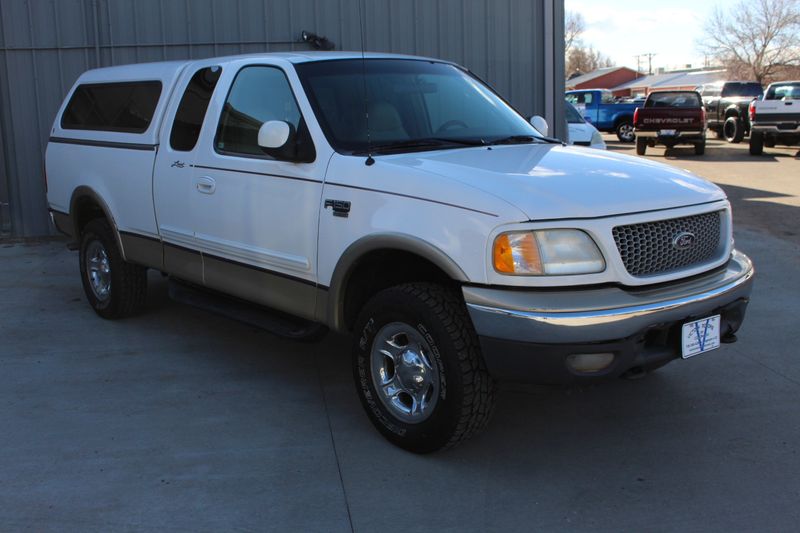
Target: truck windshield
[673, 99]
[742, 89]
[784, 91]
[411, 105]
[573, 115]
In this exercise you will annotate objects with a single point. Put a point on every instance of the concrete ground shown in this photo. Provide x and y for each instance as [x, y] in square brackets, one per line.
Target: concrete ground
[180, 420]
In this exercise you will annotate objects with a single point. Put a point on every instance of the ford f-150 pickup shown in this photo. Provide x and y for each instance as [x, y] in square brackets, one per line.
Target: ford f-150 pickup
[671, 118]
[400, 200]
[775, 119]
[599, 108]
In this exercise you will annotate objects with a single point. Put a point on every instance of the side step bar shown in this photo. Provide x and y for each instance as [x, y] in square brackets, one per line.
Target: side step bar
[248, 313]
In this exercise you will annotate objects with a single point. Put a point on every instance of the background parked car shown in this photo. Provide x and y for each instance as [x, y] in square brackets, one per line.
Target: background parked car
[671, 118]
[581, 133]
[726, 106]
[776, 117]
[599, 107]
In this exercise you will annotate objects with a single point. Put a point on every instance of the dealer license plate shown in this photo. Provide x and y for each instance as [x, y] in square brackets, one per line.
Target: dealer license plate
[668, 133]
[700, 336]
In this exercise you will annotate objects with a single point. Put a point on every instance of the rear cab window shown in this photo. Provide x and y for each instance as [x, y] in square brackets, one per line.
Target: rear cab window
[125, 107]
[192, 109]
[673, 99]
[753, 89]
[784, 91]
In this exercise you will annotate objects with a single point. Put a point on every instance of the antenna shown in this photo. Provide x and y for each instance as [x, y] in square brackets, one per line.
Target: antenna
[370, 161]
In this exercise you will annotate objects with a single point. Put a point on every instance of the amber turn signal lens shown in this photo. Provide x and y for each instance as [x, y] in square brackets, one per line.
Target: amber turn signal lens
[517, 253]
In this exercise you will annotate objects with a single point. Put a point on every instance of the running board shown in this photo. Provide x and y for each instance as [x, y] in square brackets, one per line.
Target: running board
[248, 313]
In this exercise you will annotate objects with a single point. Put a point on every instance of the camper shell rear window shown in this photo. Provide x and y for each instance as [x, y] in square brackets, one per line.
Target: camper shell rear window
[125, 107]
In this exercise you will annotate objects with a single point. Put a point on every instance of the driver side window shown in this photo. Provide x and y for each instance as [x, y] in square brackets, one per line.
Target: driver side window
[259, 94]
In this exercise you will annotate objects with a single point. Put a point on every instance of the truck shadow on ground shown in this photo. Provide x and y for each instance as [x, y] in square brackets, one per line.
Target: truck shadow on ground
[715, 151]
[534, 427]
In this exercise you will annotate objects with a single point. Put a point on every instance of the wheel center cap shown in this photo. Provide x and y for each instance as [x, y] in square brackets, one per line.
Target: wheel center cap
[412, 372]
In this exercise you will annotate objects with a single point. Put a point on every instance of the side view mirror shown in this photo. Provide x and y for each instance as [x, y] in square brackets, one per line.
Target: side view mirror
[274, 134]
[540, 124]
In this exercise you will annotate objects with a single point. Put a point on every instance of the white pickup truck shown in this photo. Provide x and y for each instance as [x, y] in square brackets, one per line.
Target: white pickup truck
[401, 200]
[775, 118]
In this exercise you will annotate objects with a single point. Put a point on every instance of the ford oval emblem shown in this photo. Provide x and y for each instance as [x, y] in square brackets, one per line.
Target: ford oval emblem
[683, 240]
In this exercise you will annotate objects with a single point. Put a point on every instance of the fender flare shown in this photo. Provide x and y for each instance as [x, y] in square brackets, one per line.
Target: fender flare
[82, 192]
[352, 255]
[736, 111]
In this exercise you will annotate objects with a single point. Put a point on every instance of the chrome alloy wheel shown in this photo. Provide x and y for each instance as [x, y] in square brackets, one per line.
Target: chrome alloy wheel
[98, 270]
[626, 133]
[404, 372]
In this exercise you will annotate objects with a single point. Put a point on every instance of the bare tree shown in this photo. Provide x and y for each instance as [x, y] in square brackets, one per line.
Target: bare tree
[584, 60]
[755, 38]
[574, 26]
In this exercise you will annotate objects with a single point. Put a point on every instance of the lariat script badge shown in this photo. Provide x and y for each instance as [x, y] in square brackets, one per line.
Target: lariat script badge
[683, 240]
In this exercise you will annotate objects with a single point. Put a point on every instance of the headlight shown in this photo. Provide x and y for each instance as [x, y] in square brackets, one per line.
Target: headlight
[554, 252]
[597, 139]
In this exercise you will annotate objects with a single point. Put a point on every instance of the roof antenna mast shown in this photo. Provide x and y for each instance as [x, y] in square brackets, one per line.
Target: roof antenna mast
[370, 161]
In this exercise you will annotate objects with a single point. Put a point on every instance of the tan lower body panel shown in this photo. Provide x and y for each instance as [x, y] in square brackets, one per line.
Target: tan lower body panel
[183, 263]
[262, 287]
[144, 251]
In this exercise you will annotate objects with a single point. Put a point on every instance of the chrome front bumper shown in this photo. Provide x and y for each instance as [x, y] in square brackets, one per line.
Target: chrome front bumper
[562, 322]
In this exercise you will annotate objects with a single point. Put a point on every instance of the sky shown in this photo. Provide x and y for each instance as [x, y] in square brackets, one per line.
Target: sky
[670, 29]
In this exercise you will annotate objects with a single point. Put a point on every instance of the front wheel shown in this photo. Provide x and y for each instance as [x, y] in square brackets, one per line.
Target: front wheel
[418, 368]
[114, 287]
[625, 132]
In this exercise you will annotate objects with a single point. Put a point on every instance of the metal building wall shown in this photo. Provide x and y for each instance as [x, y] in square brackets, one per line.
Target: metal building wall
[515, 45]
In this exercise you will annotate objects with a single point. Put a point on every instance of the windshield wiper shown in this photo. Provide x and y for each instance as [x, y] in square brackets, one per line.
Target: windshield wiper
[427, 142]
[523, 139]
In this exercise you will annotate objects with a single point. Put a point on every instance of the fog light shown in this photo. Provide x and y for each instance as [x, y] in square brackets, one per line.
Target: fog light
[590, 362]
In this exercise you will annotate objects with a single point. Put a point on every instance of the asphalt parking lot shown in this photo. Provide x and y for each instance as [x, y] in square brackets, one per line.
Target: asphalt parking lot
[180, 420]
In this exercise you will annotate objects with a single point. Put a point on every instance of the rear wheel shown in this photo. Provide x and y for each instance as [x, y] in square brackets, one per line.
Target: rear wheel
[733, 130]
[700, 148]
[756, 143]
[625, 132]
[418, 368]
[114, 287]
[641, 146]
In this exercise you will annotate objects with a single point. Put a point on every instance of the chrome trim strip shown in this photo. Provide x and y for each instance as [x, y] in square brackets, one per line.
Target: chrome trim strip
[610, 316]
[104, 144]
[261, 257]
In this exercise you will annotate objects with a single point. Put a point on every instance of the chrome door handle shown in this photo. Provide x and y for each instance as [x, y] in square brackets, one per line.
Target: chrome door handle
[205, 185]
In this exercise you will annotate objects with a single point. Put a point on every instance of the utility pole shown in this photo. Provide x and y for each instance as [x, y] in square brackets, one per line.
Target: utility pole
[650, 57]
[638, 63]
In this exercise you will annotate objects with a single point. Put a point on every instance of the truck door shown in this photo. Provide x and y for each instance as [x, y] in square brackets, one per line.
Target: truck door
[588, 106]
[256, 221]
[174, 182]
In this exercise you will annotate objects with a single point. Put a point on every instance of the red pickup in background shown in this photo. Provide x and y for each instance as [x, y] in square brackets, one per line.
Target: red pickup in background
[671, 118]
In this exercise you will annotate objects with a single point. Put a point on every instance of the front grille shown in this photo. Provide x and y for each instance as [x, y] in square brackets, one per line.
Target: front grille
[649, 248]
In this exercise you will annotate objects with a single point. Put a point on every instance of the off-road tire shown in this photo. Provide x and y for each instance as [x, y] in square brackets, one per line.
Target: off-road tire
[641, 146]
[128, 289]
[466, 390]
[756, 143]
[733, 130]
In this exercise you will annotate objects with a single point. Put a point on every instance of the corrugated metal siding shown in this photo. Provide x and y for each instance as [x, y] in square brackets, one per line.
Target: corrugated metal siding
[516, 45]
